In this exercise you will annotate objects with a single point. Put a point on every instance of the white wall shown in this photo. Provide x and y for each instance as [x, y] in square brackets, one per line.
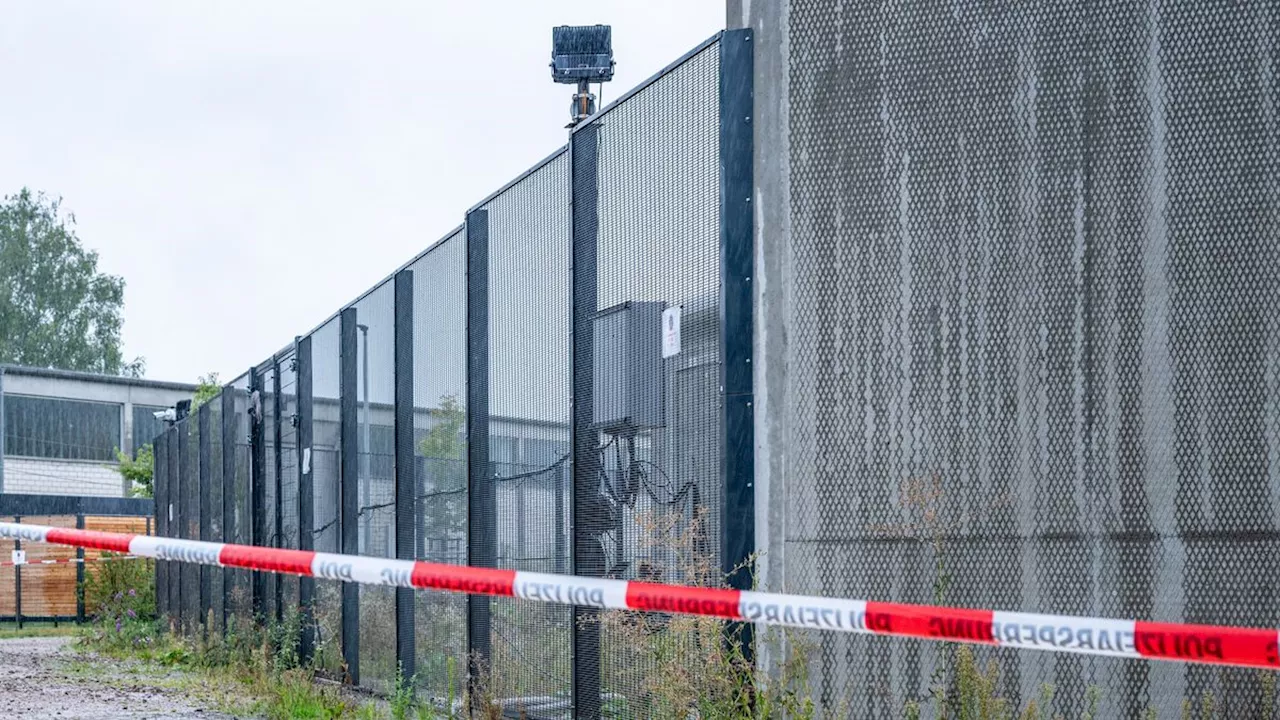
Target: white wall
[62, 477]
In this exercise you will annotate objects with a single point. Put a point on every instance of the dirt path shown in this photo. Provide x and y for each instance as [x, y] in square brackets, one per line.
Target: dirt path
[47, 677]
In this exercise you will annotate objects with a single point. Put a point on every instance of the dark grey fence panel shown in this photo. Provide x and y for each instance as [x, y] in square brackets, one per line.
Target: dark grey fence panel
[349, 483]
[375, 415]
[241, 593]
[527, 417]
[204, 458]
[163, 508]
[648, 358]
[226, 458]
[258, 487]
[440, 446]
[305, 506]
[177, 504]
[189, 478]
[286, 505]
[405, 470]
[326, 464]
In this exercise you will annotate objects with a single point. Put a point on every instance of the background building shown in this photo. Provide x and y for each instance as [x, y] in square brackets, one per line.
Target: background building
[62, 428]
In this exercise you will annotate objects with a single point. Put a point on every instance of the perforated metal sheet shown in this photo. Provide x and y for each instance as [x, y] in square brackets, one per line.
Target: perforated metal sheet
[1032, 352]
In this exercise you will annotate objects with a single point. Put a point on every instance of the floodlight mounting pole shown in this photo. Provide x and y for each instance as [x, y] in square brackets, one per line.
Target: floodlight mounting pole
[584, 104]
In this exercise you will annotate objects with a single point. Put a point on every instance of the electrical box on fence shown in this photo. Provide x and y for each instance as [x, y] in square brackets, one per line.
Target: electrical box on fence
[629, 380]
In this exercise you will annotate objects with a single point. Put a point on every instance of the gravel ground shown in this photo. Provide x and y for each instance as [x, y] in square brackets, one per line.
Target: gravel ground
[38, 679]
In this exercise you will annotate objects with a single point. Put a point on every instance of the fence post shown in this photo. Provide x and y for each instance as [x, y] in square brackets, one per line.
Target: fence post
[205, 457]
[80, 574]
[405, 468]
[277, 439]
[306, 496]
[160, 496]
[587, 557]
[174, 525]
[349, 484]
[228, 431]
[17, 581]
[737, 446]
[258, 489]
[481, 498]
[189, 503]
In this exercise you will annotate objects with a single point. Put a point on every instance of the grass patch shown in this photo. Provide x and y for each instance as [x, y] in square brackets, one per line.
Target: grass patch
[29, 629]
[252, 672]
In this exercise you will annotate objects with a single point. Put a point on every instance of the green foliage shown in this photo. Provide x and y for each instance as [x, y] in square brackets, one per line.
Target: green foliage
[139, 472]
[56, 309]
[295, 696]
[258, 676]
[121, 596]
[444, 439]
[207, 388]
[402, 697]
[444, 447]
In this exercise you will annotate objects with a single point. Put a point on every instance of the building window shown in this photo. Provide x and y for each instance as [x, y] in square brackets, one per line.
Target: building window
[146, 426]
[44, 427]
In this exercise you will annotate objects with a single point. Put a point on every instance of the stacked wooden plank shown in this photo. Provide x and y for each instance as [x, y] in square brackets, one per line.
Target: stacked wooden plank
[50, 590]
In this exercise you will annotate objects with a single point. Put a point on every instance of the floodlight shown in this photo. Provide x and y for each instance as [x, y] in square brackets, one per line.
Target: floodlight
[581, 55]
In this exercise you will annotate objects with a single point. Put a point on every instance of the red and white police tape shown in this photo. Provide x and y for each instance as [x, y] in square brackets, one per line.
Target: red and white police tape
[1137, 639]
[68, 561]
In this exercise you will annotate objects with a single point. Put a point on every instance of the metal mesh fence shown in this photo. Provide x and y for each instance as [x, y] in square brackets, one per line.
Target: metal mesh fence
[240, 594]
[439, 418]
[189, 469]
[1033, 345]
[504, 339]
[287, 507]
[160, 491]
[325, 459]
[270, 470]
[375, 375]
[213, 583]
[655, 413]
[528, 424]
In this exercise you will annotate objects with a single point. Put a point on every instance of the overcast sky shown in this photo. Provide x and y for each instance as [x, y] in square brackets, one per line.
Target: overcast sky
[249, 167]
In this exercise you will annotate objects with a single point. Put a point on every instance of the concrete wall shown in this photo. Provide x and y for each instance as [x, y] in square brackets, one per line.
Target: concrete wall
[1016, 347]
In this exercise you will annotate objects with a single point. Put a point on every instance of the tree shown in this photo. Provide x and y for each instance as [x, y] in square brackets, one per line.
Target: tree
[138, 473]
[56, 309]
[444, 440]
[207, 388]
[443, 449]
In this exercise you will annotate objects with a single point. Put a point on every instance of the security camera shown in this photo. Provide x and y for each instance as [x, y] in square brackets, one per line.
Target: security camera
[167, 415]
